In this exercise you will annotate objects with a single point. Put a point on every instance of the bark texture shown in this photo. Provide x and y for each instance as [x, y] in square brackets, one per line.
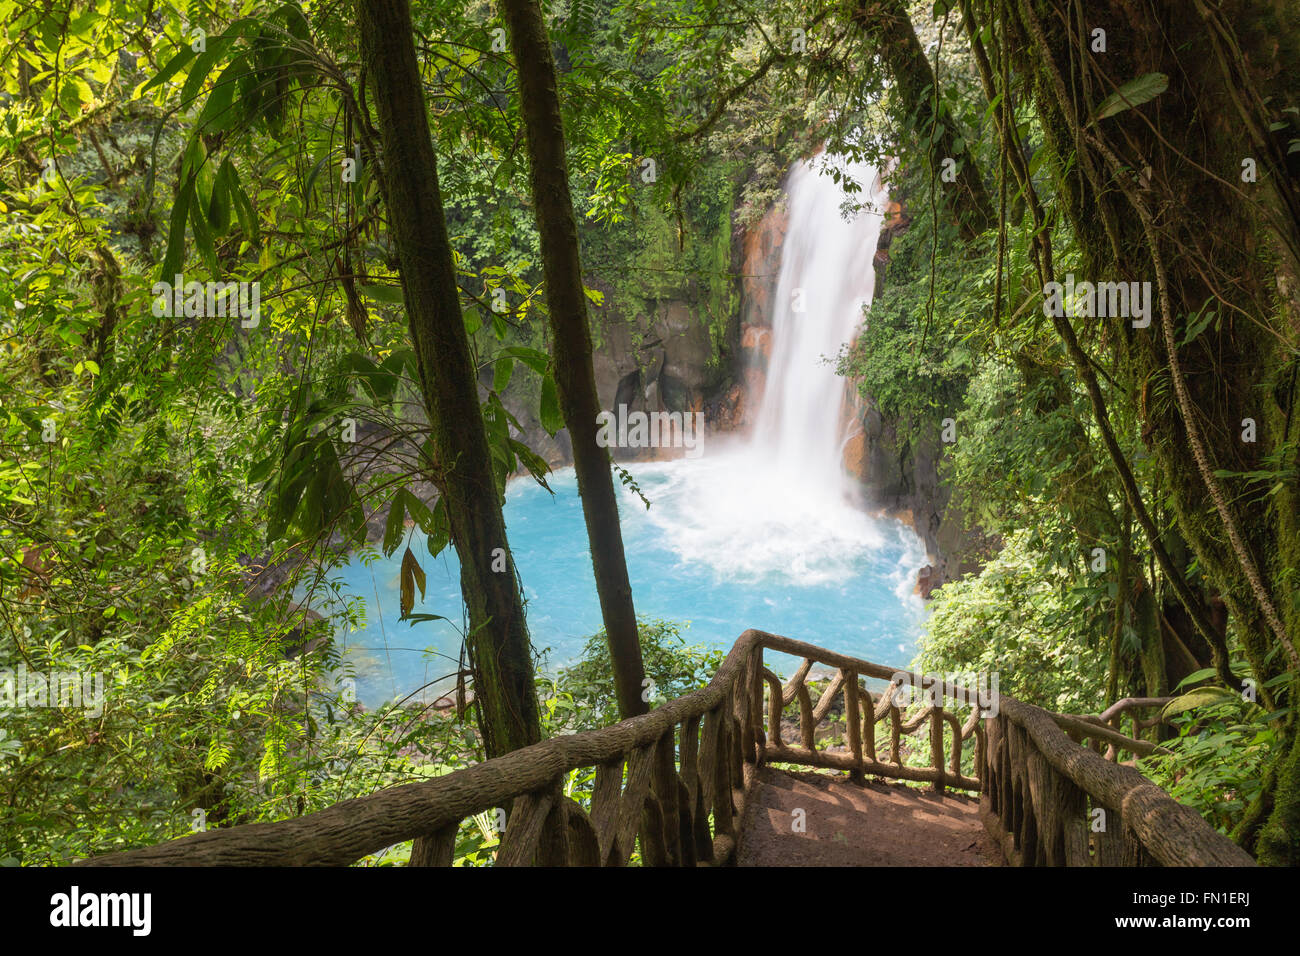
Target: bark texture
[889, 32]
[571, 342]
[1155, 194]
[499, 649]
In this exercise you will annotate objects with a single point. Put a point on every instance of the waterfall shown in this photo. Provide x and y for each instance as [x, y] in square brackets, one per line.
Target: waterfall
[826, 278]
[777, 504]
[761, 531]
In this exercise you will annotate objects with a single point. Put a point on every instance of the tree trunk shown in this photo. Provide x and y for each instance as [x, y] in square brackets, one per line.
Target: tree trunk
[889, 29]
[571, 342]
[499, 650]
[1179, 159]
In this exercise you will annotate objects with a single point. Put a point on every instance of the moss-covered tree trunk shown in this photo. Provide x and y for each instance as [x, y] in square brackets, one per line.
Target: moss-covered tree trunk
[499, 649]
[1157, 194]
[571, 342]
[890, 35]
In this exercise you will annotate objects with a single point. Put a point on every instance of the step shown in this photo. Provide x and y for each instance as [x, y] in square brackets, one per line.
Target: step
[848, 824]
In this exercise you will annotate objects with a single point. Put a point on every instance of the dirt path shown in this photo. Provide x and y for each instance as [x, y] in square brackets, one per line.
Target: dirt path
[849, 825]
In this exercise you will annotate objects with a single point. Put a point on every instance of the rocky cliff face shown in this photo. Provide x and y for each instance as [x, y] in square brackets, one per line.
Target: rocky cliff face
[661, 360]
[900, 475]
[760, 266]
[669, 354]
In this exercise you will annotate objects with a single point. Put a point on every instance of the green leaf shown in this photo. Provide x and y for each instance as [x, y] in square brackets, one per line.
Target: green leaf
[412, 576]
[549, 410]
[294, 20]
[244, 211]
[535, 463]
[1198, 323]
[1200, 697]
[219, 208]
[220, 111]
[175, 255]
[196, 165]
[440, 536]
[395, 525]
[261, 470]
[173, 66]
[203, 237]
[399, 359]
[1133, 93]
[310, 185]
[378, 382]
[535, 359]
[203, 65]
[390, 294]
[1036, 160]
[418, 618]
[501, 374]
[1197, 676]
[74, 92]
[419, 513]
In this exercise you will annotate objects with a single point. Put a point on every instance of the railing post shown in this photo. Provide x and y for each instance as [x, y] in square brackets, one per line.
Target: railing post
[775, 708]
[936, 744]
[664, 787]
[639, 812]
[695, 789]
[553, 849]
[807, 725]
[854, 721]
[1108, 841]
[604, 806]
[1008, 812]
[1113, 753]
[717, 733]
[436, 849]
[735, 715]
[759, 741]
[522, 839]
[869, 727]
[895, 734]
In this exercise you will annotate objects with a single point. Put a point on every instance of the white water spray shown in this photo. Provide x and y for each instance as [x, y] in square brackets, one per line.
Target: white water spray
[778, 504]
[826, 279]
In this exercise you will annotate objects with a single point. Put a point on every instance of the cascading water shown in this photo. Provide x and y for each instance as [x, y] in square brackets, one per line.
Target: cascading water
[825, 280]
[779, 503]
[760, 532]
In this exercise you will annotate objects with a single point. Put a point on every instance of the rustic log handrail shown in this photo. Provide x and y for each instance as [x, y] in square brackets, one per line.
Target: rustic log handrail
[674, 782]
[1051, 802]
[1081, 728]
[1104, 728]
[715, 724]
[862, 711]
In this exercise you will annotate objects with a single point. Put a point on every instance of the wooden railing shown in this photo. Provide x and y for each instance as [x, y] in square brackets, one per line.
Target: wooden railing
[671, 782]
[1051, 802]
[674, 782]
[863, 711]
[1112, 718]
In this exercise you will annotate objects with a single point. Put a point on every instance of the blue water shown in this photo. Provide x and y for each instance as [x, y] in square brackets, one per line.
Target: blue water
[726, 545]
